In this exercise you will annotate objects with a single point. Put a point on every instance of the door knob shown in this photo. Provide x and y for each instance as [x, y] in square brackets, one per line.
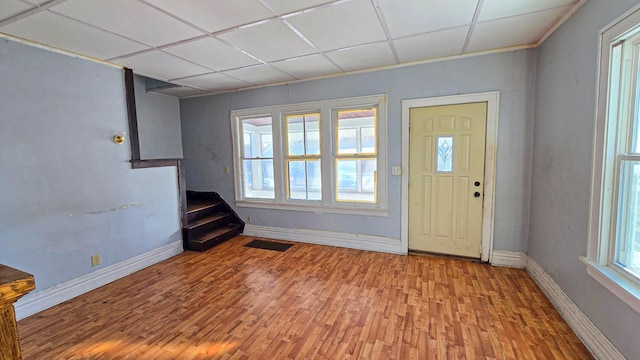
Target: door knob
[476, 194]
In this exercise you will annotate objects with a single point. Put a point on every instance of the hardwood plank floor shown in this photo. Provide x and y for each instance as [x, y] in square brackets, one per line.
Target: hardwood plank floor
[310, 302]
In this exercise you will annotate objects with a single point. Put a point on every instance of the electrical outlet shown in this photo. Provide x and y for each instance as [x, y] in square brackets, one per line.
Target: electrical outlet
[248, 219]
[396, 170]
[95, 260]
[226, 170]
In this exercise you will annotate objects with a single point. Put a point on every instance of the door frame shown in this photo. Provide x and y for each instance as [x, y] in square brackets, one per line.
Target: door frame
[492, 99]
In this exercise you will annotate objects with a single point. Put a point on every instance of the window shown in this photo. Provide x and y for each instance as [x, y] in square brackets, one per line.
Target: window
[614, 242]
[257, 157]
[325, 156]
[356, 155]
[304, 180]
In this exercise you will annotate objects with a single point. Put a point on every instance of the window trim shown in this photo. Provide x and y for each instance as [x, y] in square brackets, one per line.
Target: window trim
[603, 186]
[329, 203]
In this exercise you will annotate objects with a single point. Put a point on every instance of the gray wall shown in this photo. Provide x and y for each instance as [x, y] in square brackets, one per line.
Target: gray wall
[158, 123]
[67, 190]
[562, 152]
[208, 149]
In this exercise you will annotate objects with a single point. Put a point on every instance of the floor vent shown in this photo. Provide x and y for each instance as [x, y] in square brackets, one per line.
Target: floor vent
[268, 245]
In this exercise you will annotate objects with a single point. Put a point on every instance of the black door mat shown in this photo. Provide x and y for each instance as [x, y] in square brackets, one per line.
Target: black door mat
[268, 245]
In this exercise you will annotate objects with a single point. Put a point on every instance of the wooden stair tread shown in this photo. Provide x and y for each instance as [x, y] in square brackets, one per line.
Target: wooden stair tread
[206, 220]
[210, 221]
[215, 233]
[199, 205]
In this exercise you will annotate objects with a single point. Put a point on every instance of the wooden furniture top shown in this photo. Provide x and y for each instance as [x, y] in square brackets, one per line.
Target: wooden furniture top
[14, 284]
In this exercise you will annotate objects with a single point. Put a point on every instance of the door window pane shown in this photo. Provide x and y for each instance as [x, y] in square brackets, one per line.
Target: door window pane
[444, 154]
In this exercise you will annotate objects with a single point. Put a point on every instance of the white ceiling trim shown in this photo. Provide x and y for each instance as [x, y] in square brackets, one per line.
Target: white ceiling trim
[58, 51]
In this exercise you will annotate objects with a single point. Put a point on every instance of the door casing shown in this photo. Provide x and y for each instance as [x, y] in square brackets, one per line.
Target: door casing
[492, 100]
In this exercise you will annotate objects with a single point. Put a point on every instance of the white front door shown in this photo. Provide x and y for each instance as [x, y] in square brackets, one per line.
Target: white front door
[446, 178]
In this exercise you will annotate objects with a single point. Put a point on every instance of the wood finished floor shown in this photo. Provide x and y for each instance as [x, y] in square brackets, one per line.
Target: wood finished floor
[310, 302]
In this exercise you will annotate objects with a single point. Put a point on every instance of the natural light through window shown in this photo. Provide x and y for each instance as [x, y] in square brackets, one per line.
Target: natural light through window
[257, 157]
[323, 156]
[303, 157]
[356, 155]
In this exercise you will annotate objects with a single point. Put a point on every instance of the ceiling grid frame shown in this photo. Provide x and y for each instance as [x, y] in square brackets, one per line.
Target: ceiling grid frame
[294, 65]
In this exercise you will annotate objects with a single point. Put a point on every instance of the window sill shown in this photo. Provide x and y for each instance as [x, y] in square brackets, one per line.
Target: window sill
[315, 209]
[623, 288]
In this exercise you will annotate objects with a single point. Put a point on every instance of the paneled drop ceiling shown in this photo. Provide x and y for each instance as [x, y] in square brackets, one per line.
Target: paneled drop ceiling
[211, 46]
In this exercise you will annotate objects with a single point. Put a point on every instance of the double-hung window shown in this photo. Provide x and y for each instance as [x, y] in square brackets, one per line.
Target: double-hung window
[303, 158]
[257, 156]
[356, 155]
[323, 156]
[614, 243]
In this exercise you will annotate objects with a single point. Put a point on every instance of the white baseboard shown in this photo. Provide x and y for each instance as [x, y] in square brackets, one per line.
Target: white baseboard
[42, 300]
[598, 344]
[330, 238]
[510, 259]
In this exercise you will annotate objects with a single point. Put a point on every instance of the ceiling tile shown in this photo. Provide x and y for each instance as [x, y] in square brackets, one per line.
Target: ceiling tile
[493, 9]
[213, 82]
[334, 27]
[212, 53]
[362, 57]
[132, 19]
[288, 6]
[432, 45]
[62, 33]
[11, 8]
[180, 91]
[215, 15]
[307, 66]
[523, 29]
[259, 75]
[419, 16]
[270, 41]
[159, 65]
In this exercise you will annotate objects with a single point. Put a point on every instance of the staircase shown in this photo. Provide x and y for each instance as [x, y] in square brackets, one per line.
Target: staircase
[210, 221]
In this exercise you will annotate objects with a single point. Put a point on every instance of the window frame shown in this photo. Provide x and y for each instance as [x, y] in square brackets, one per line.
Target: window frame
[357, 155]
[327, 134]
[612, 138]
[256, 142]
[288, 157]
